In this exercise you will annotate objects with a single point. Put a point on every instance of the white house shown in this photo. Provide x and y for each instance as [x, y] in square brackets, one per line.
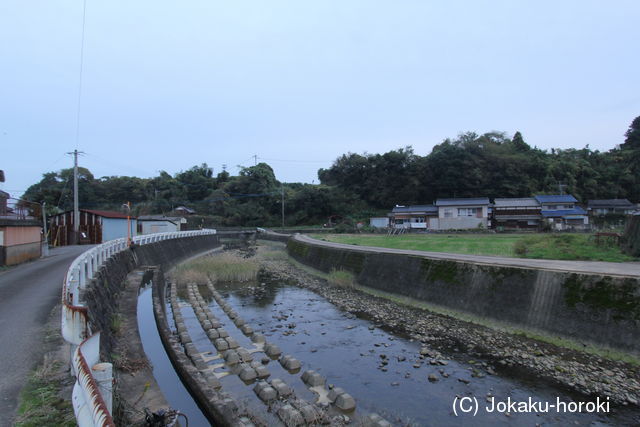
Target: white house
[459, 214]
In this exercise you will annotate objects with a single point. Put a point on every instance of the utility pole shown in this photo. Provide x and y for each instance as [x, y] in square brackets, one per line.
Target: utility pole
[76, 211]
[255, 159]
[282, 198]
[45, 240]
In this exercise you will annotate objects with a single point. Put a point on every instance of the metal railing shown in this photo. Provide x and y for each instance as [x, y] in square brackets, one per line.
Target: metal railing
[92, 390]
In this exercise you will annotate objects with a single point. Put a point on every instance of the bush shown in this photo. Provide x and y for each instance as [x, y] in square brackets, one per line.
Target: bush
[342, 278]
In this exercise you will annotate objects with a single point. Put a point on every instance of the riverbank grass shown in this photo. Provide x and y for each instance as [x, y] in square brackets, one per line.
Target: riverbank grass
[563, 246]
[217, 268]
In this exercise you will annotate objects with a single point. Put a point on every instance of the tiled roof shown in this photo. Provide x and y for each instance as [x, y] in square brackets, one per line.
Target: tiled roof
[556, 198]
[610, 203]
[516, 202]
[564, 212]
[416, 209]
[463, 202]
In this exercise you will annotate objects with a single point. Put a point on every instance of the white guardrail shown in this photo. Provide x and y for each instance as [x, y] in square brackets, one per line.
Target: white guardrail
[92, 392]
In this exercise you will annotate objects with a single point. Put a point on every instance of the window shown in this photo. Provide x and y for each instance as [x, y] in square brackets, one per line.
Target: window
[419, 219]
[467, 211]
[448, 212]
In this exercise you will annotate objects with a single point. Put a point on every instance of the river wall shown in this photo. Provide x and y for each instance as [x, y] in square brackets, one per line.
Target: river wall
[588, 308]
[103, 292]
[631, 237]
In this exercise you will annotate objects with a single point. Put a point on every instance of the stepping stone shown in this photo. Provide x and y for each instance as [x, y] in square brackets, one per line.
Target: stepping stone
[185, 338]
[258, 338]
[262, 372]
[334, 393]
[213, 334]
[221, 344]
[245, 355]
[281, 387]
[246, 329]
[232, 342]
[312, 378]
[212, 380]
[309, 413]
[272, 350]
[265, 392]
[345, 402]
[231, 357]
[290, 363]
[247, 373]
[222, 333]
[239, 321]
[290, 416]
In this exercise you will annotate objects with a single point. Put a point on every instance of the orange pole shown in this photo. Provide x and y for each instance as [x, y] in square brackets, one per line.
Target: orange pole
[128, 223]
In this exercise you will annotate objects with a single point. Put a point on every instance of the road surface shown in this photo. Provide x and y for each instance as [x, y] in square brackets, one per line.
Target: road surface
[626, 269]
[28, 293]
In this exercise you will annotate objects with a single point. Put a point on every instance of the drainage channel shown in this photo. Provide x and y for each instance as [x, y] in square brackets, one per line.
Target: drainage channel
[168, 380]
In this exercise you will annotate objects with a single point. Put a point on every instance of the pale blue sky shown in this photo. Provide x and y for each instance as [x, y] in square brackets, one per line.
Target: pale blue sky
[170, 84]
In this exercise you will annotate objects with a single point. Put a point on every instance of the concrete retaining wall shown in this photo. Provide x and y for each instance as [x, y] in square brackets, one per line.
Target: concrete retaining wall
[102, 294]
[603, 310]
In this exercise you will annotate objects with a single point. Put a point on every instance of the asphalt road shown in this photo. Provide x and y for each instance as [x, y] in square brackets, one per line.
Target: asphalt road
[28, 293]
[627, 269]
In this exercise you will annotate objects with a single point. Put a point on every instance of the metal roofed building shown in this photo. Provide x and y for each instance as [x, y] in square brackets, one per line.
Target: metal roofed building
[149, 224]
[414, 217]
[610, 206]
[517, 213]
[463, 213]
[562, 213]
[95, 227]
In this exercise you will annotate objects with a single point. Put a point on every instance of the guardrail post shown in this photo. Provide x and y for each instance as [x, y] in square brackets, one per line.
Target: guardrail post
[103, 374]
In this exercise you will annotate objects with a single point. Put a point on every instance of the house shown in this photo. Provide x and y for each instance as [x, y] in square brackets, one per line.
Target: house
[414, 217]
[183, 210]
[95, 227]
[610, 206]
[20, 235]
[516, 213]
[562, 213]
[149, 224]
[458, 214]
[379, 222]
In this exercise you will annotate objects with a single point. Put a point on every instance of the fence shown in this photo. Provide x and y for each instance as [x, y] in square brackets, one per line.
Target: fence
[92, 390]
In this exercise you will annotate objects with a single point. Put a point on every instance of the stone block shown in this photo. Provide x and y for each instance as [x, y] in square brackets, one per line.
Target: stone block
[246, 329]
[221, 344]
[262, 372]
[215, 323]
[258, 338]
[222, 333]
[281, 387]
[334, 393]
[247, 373]
[212, 380]
[232, 315]
[185, 338]
[312, 378]
[213, 334]
[272, 350]
[239, 321]
[345, 402]
[245, 355]
[290, 363]
[231, 357]
[206, 324]
[232, 342]
[309, 413]
[375, 420]
[290, 416]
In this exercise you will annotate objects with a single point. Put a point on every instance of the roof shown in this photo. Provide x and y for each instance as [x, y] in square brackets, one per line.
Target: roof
[174, 219]
[556, 198]
[107, 214]
[515, 202]
[610, 203]
[416, 209]
[564, 212]
[463, 202]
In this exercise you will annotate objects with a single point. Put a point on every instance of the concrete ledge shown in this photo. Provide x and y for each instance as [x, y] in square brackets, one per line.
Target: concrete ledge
[595, 308]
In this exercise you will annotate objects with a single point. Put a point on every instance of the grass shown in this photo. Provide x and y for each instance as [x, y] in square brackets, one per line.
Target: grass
[341, 278]
[40, 401]
[564, 246]
[217, 268]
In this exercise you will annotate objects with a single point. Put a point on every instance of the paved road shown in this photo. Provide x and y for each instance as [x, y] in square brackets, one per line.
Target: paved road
[627, 269]
[28, 293]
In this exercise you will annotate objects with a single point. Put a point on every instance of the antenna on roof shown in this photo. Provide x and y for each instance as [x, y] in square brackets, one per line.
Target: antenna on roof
[561, 187]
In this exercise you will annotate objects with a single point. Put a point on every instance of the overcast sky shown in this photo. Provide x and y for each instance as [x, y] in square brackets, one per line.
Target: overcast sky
[170, 84]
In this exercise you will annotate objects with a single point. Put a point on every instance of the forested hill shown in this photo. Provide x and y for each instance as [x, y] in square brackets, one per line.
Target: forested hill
[359, 185]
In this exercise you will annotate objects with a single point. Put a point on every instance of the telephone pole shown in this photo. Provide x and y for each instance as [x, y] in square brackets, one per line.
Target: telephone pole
[282, 198]
[76, 211]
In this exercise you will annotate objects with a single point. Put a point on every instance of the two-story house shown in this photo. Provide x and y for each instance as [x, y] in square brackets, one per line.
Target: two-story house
[459, 214]
[561, 211]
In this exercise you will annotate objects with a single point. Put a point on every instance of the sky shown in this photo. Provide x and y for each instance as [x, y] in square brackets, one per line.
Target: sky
[167, 85]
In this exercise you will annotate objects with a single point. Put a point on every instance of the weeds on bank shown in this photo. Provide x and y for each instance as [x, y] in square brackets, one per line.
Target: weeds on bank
[342, 278]
[568, 247]
[41, 404]
[217, 268]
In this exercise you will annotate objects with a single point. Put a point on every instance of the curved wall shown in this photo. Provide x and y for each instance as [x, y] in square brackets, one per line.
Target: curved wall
[601, 309]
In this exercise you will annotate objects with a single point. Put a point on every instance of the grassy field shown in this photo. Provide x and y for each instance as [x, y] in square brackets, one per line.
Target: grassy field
[564, 246]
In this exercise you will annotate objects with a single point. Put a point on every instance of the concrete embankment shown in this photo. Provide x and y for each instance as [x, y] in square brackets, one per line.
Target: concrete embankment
[586, 307]
[103, 294]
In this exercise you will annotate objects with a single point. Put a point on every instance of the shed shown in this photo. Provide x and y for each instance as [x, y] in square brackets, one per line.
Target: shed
[149, 224]
[95, 227]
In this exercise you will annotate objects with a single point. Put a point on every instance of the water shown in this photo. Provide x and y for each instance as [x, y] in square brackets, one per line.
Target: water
[348, 353]
[168, 380]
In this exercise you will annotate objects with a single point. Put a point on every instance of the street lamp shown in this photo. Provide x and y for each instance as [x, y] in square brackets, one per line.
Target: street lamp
[127, 206]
